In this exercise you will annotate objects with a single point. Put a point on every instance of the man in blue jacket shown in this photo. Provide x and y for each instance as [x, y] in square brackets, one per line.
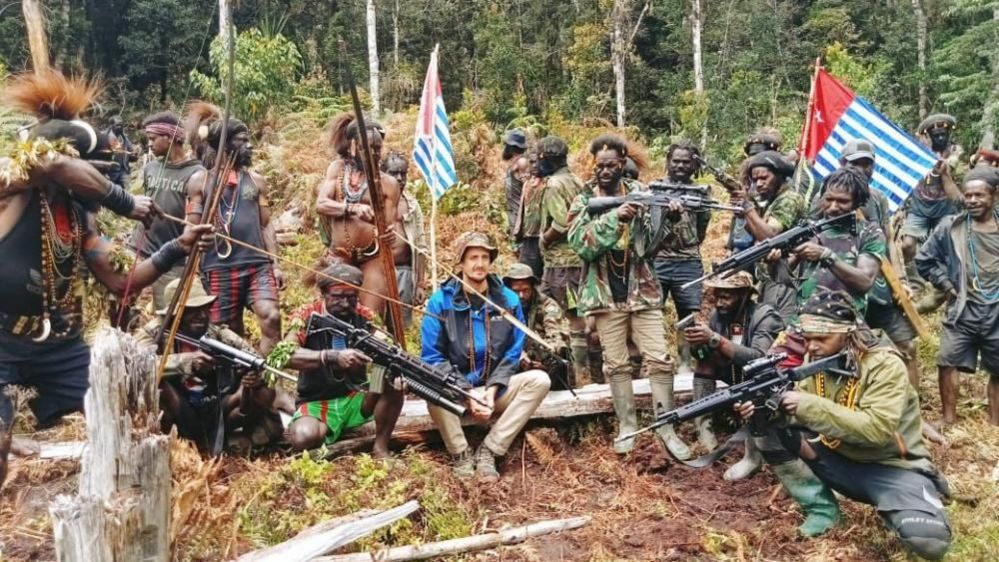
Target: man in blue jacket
[961, 259]
[464, 331]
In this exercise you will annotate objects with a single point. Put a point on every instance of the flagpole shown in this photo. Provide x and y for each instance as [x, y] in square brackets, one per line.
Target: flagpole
[433, 201]
[806, 129]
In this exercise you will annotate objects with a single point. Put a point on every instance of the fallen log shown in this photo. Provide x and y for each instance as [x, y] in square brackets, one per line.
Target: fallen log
[415, 425]
[456, 546]
[311, 543]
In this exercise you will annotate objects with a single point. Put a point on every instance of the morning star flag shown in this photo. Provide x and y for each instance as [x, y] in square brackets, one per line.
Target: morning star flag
[432, 149]
[837, 115]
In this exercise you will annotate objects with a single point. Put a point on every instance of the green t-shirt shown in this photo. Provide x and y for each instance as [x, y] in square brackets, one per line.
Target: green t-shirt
[848, 248]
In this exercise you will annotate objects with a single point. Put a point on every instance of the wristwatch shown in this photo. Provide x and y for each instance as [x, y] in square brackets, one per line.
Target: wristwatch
[714, 341]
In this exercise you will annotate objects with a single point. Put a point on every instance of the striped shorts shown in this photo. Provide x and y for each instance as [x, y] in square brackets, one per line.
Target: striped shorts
[238, 288]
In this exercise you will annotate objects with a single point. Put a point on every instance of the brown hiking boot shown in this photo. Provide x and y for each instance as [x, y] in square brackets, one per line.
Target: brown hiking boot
[464, 465]
[485, 465]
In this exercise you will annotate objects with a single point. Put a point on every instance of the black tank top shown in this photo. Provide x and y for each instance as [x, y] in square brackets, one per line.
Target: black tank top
[239, 213]
[20, 276]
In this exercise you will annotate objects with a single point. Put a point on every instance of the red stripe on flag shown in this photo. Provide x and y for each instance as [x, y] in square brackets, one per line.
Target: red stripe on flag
[831, 100]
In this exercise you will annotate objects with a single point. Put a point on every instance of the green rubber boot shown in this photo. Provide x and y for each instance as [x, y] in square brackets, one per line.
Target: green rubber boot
[627, 417]
[815, 498]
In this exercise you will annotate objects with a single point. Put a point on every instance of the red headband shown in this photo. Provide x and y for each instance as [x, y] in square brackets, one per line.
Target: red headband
[175, 132]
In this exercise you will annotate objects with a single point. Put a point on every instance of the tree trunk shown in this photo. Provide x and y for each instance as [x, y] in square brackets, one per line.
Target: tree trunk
[696, 23]
[618, 54]
[990, 109]
[917, 8]
[122, 511]
[373, 57]
[224, 23]
[38, 41]
[395, 35]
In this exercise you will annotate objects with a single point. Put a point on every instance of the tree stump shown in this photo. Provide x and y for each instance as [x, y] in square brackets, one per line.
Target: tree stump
[122, 510]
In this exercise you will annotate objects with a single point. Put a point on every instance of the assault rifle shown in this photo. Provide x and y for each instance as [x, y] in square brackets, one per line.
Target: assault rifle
[764, 383]
[440, 385]
[232, 355]
[784, 242]
[703, 190]
[600, 205]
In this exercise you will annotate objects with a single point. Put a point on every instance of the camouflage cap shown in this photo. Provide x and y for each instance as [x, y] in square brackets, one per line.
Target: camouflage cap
[828, 311]
[196, 298]
[984, 173]
[519, 271]
[552, 146]
[937, 121]
[472, 239]
[738, 280]
[768, 138]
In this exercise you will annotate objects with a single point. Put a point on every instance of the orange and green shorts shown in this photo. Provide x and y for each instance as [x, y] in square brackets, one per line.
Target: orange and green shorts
[339, 414]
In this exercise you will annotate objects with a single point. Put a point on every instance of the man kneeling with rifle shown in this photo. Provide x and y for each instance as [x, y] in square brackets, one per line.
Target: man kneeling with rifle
[858, 435]
[206, 394]
[336, 388]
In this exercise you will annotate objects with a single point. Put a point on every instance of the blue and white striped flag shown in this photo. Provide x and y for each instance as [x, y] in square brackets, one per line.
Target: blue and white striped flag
[432, 150]
[838, 115]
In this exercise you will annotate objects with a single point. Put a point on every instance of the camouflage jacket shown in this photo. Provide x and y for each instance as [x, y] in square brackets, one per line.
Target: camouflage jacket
[529, 216]
[883, 426]
[561, 189]
[787, 208]
[593, 237]
[548, 320]
[848, 248]
[180, 362]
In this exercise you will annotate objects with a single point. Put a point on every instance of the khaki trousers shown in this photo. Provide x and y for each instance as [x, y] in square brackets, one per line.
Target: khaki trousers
[647, 332]
[514, 407]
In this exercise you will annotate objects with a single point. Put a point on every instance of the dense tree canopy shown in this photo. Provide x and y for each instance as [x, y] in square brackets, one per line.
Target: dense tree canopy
[540, 61]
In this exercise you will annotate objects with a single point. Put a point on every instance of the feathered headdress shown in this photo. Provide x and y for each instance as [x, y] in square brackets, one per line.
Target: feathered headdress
[203, 123]
[49, 94]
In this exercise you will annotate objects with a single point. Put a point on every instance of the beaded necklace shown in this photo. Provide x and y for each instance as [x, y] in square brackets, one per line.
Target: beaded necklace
[976, 283]
[848, 399]
[57, 249]
[471, 335]
[350, 193]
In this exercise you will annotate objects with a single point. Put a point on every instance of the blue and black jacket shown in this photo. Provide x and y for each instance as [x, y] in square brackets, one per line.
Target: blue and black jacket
[447, 340]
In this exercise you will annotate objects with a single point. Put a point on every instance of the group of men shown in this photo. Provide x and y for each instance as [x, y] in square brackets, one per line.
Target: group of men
[586, 296]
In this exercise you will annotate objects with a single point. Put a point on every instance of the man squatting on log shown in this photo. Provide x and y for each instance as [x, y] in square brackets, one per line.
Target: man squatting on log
[50, 242]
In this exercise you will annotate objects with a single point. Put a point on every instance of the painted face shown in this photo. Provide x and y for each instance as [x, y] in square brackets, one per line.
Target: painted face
[821, 345]
[681, 166]
[836, 201]
[607, 169]
[864, 165]
[340, 300]
[195, 321]
[475, 264]
[524, 289]
[766, 181]
[979, 199]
